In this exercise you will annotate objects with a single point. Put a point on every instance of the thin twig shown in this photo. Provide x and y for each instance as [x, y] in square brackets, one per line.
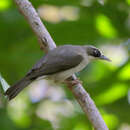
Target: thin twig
[47, 43]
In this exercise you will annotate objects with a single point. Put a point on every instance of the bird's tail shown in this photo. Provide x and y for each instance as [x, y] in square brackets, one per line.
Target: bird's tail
[17, 88]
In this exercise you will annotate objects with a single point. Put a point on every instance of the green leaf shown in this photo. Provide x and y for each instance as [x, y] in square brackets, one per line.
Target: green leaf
[116, 92]
[4, 4]
[105, 27]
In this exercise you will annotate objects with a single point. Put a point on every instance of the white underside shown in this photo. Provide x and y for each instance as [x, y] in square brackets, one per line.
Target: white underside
[61, 76]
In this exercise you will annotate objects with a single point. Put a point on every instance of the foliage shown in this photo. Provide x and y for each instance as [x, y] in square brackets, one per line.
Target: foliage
[105, 24]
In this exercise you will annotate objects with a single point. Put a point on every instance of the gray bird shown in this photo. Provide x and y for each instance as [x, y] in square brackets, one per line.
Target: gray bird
[58, 65]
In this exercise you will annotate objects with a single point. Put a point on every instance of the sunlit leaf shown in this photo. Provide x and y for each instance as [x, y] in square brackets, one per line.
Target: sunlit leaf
[105, 27]
[81, 126]
[128, 2]
[116, 92]
[111, 121]
[4, 4]
[125, 73]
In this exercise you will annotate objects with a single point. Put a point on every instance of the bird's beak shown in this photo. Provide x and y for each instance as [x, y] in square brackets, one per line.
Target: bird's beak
[104, 58]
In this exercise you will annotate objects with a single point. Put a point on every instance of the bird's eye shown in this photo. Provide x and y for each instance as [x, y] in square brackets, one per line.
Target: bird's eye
[97, 53]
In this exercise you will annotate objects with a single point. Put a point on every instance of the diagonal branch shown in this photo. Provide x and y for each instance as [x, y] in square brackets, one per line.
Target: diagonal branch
[47, 43]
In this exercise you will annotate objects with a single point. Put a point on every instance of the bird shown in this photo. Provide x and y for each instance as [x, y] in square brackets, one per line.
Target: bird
[58, 65]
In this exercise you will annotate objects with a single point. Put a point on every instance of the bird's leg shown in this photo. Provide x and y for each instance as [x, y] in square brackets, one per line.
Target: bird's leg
[72, 82]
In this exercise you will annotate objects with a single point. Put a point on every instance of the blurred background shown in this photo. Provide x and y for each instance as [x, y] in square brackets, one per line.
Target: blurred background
[43, 106]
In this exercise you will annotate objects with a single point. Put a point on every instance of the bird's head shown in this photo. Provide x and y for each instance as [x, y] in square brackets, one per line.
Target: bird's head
[94, 53]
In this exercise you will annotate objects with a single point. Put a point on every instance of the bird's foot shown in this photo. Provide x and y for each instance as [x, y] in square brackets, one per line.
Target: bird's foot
[72, 83]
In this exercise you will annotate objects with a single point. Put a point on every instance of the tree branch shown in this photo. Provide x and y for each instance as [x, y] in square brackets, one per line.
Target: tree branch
[47, 43]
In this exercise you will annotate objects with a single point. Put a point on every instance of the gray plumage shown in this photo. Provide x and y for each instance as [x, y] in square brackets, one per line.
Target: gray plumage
[58, 65]
[58, 60]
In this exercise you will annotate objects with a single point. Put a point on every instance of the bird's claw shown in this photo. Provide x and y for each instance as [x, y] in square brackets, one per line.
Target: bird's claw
[72, 83]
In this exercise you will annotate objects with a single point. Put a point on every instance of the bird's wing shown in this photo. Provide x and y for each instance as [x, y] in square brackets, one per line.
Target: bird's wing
[55, 61]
